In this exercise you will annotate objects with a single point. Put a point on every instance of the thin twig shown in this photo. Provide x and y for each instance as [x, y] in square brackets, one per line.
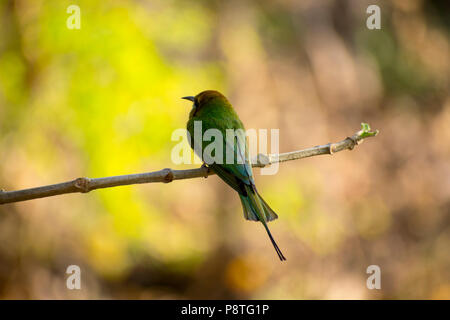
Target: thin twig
[84, 185]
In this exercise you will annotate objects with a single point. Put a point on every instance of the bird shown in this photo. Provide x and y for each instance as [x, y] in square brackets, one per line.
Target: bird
[214, 111]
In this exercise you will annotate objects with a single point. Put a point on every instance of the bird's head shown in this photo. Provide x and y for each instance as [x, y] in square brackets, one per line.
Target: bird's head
[206, 99]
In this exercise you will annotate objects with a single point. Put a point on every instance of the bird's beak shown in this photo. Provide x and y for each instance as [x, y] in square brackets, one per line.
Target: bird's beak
[190, 98]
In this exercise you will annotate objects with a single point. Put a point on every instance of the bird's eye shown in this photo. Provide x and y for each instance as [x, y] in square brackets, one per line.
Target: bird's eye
[194, 108]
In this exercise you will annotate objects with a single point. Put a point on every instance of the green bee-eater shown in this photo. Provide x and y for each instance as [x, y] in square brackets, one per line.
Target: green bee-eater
[215, 112]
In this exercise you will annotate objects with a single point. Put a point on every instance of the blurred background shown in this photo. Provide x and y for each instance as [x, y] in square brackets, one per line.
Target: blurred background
[104, 100]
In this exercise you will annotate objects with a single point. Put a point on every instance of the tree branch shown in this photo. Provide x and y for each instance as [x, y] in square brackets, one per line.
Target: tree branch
[84, 185]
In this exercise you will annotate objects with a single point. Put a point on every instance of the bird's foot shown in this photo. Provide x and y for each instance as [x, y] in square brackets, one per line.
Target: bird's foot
[204, 165]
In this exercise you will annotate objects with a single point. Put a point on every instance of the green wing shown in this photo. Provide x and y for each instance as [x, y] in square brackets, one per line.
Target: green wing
[240, 171]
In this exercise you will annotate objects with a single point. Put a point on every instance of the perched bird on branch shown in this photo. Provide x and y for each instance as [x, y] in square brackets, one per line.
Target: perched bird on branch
[211, 110]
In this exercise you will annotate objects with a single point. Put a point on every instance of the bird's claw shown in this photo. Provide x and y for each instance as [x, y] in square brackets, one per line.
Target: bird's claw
[204, 165]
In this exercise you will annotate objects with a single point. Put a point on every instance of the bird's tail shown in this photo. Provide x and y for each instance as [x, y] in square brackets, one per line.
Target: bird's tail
[256, 209]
